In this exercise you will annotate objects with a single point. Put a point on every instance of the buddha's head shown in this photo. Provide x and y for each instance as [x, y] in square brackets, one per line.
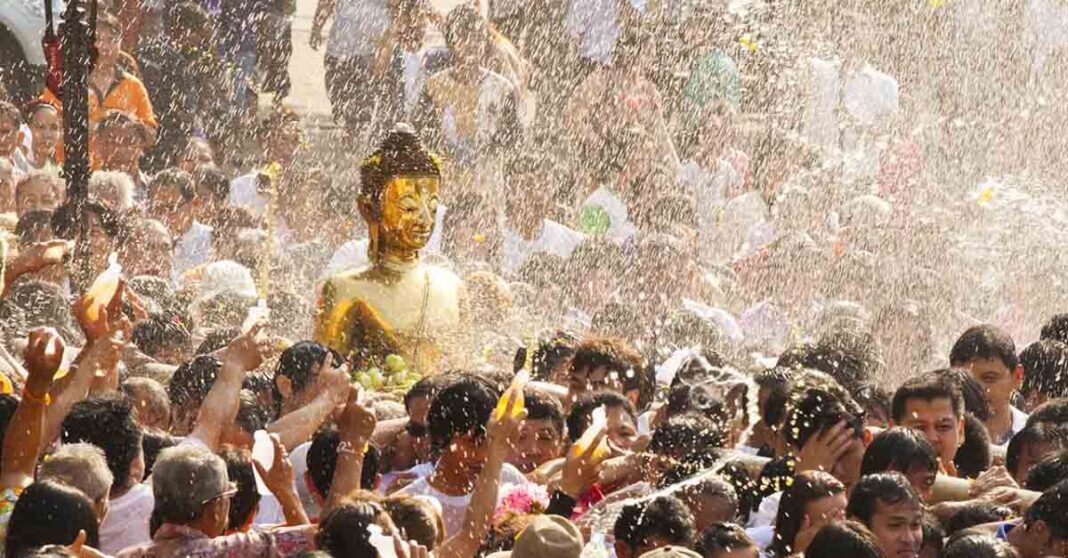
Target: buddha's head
[399, 188]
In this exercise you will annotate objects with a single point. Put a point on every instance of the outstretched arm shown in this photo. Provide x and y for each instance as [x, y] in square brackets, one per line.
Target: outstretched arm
[22, 441]
[220, 405]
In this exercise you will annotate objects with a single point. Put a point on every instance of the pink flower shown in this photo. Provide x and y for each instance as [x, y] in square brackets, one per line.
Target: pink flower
[518, 499]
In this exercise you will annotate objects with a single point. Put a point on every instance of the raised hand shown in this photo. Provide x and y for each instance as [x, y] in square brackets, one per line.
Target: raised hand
[246, 349]
[358, 421]
[43, 357]
[582, 468]
[280, 477]
[824, 449]
[503, 431]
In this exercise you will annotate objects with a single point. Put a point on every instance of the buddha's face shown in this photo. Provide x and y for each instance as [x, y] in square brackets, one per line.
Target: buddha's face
[409, 205]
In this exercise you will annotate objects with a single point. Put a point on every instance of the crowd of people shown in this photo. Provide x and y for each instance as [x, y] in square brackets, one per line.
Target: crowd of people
[731, 291]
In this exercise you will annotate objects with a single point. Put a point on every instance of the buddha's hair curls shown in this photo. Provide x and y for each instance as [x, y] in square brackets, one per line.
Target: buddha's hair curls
[399, 154]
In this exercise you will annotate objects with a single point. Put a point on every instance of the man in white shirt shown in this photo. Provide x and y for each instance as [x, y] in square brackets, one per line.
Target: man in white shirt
[280, 136]
[458, 420]
[990, 355]
[173, 200]
[526, 228]
[359, 26]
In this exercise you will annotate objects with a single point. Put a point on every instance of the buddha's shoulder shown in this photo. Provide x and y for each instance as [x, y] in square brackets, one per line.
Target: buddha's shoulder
[349, 278]
[443, 276]
[438, 275]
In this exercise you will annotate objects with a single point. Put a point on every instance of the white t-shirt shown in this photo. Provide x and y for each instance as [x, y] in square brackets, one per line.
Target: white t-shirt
[270, 510]
[194, 248]
[243, 193]
[553, 238]
[1019, 422]
[453, 508]
[358, 27]
[126, 523]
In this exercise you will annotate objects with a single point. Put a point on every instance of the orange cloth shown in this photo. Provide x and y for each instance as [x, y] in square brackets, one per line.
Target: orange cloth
[127, 94]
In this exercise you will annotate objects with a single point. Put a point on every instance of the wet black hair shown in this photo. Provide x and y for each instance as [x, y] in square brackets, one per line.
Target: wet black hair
[1045, 365]
[807, 487]
[50, 513]
[1056, 328]
[817, 409]
[977, 544]
[1034, 433]
[778, 383]
[1051, 508]
[174, 178]
[240, 471]
[898, 449]
[462, 21]
[581, 415]
[682, 435]
[973, 456]
[462, 407]
[722, 538]
[543, 406]
[152, 443]
[300, 364]
[933, 533]
[107, 422]
[619, 357]
[251, 415]
[215, 181]
[33, 222]
[158, 333]
[217, 339]
[874, 400]
[1054, 411]
[984, 342]
[844, 538]
[1050, 470]
[665, 517]
[427, 387]
[192, 380]
[973, 393]
[880, 489]
[928, 387]
[322, 461]
[975, 512]
[343, 531]
[850, 364]
[548, 355]
[736, 475]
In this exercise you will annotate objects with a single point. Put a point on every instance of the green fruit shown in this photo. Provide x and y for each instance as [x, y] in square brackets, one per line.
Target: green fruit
[377, 379]
[394, 364]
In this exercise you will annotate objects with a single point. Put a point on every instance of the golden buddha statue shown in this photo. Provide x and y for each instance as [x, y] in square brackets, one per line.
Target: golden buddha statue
[397, 304]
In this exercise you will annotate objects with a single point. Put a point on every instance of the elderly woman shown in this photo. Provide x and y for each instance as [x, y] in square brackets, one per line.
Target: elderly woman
[114, 189]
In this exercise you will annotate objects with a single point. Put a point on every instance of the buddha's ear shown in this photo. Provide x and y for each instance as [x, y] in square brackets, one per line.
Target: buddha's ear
[367, 209]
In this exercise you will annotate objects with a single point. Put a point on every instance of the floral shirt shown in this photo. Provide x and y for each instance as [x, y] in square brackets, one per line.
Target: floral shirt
[8, 497]
[177, 540]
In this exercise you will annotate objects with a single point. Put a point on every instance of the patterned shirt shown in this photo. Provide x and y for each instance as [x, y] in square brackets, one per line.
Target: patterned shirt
[177, 540]
[8, 497]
